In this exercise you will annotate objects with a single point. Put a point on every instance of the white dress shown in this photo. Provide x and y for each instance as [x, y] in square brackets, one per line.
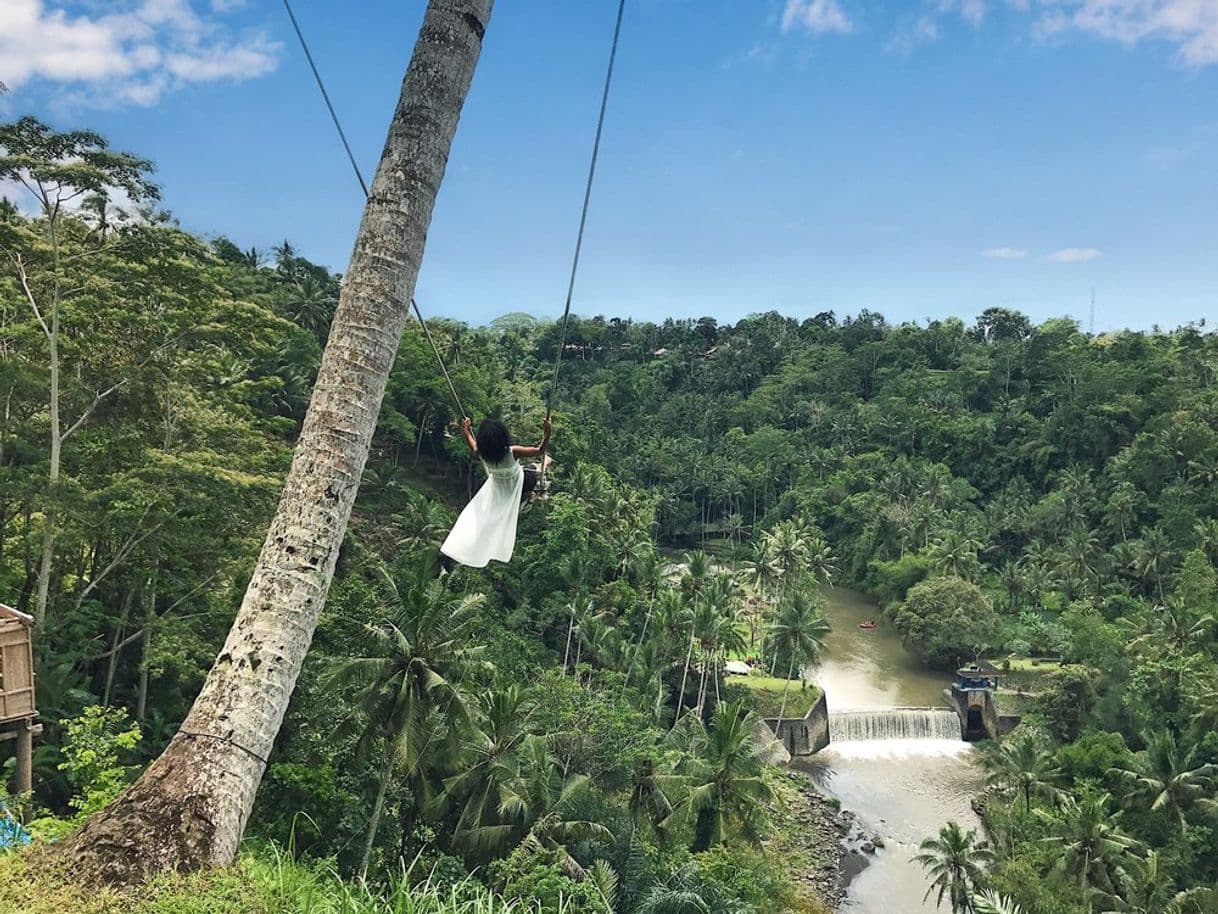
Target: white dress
[486, 529]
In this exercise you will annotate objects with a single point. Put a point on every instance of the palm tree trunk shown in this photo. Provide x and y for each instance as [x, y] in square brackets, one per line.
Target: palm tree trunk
[141, 701]
[116, 646]
[700, 703]
[566, 655]
[684, 676]
[378, 806]
[189, 808]
[782, 708]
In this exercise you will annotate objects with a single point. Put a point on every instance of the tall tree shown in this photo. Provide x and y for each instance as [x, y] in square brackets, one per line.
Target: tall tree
[954, 860]
[190, 807]
[798, 634]
[58, 169]
[416, 669]
[725, 791]
[1092, 845]
[1170, 777]
[1021, 765]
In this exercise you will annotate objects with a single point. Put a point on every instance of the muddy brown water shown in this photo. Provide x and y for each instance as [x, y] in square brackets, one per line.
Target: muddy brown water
[901, 789]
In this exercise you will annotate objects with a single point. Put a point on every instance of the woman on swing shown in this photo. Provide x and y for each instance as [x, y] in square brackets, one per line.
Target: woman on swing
[486, 529]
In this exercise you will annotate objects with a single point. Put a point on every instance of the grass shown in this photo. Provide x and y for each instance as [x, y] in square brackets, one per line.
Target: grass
[1011, 703]
[1027, 665]
[767, 694]
[260, 882]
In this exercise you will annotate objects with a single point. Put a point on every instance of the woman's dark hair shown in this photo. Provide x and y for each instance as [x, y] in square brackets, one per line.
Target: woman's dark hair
[494, 440]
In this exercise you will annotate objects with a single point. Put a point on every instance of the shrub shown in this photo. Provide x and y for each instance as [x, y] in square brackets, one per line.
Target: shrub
[747, 875]
[535, 877]
[94, 746]
[890, 581]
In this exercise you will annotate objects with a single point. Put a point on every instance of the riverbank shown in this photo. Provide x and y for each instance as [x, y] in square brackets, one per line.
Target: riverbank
[823, 843]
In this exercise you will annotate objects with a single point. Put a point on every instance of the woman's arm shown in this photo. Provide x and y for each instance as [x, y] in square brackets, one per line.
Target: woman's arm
[521, 450]
[466, 424]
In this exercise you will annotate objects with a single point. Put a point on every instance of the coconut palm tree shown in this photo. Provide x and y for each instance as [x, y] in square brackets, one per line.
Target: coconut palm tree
[417, 664]
[683, 892]
[1172, 626]
[1169, 777]
[189, 808]
[1206, 532]
[955, 553]
[1021, 765]
[650, 792]
[1145, 887]
[1077, 489]
[697, 574]
[954, 860]
[1121, 507]
[717, 628]
[789, 554]
[423, 522]
[539, 809]
[1079, 561]
[1154, 559]
[1088, 836]
[669, 625]
[722, 775]
[574, 573]
[503, 721]
[1014, 583]
[797, 634]
[987, 902]
[760, 570]
[630, 548]
[822, 565]
[311, 305]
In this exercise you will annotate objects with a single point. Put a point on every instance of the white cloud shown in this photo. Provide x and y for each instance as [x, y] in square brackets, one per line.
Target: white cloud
[15, 193]
[1075, 255]
[131, 54]
[971, 11]
[815, 16]
[909, 36]
[1190, 25]
[1005, 253]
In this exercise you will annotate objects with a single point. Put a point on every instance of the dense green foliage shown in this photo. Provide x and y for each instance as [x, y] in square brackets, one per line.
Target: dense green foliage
[1001, 486]
[261, 882]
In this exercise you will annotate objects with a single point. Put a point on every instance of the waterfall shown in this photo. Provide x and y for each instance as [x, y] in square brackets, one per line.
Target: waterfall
[893, 723]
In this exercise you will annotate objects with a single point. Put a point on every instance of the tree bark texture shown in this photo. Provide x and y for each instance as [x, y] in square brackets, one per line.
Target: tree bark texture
[190, 807]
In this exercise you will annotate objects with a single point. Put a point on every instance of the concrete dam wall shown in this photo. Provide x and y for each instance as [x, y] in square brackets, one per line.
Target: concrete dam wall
[803, 735]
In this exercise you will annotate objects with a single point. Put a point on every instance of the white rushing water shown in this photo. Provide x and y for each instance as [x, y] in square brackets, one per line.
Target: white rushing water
[893, 724]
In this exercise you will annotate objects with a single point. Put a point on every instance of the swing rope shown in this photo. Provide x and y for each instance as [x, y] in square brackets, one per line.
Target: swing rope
[304, 46]
[583, 216]
[583, 223]
[359, 176]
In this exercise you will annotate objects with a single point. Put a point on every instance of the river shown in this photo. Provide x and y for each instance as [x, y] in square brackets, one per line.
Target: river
[902, 789]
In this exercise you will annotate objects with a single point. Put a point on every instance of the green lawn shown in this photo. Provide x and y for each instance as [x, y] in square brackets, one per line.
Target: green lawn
[1027, 665]
[766, 693]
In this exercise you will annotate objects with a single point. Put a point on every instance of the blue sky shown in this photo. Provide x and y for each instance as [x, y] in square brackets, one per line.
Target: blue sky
[922, 158]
